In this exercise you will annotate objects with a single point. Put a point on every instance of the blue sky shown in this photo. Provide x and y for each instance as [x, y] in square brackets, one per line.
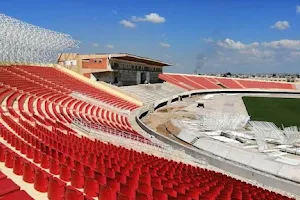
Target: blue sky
[213, 36]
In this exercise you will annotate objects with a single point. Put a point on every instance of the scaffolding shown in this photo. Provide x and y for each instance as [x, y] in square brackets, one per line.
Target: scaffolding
[269, 131]
[221, 121]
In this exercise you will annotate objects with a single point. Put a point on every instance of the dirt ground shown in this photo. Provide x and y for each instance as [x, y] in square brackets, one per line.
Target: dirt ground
[160, 121]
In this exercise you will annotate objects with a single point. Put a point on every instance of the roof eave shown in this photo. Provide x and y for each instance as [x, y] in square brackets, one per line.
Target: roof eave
[140, 57]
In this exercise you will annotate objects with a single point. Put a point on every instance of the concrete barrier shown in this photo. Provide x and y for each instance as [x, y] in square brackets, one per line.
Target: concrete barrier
[241, 156]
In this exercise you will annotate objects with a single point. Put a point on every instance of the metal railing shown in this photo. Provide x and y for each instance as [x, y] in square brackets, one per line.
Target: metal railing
[90, 128]
[126, 141]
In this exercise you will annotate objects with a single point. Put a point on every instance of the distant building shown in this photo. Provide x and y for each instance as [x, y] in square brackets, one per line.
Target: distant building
[119, 69]
[264, 77]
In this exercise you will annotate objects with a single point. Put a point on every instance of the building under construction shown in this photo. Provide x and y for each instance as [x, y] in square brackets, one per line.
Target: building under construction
[120, 69]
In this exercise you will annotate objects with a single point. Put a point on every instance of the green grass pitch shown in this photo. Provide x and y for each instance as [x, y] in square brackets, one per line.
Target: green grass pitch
[284, 111]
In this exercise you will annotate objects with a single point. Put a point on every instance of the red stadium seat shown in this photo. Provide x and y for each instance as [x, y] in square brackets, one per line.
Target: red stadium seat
[193, 82]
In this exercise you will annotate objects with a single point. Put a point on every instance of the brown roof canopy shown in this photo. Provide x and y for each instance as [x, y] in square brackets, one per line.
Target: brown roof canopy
[134, 58]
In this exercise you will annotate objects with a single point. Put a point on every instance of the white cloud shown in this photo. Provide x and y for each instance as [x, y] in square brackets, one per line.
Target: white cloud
[110, 46]
[293, 56]
[166, 45]
[231, 44]
[152, 17]
[94, 44]
[155, 18]
[281, 25]
[257, 52]
[277, 44]
[127, 24]
[297, 9]
[263, 56]
[283, 44]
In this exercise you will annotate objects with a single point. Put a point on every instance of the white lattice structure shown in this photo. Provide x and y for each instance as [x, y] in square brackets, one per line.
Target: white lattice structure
[292, 135]
[221, 121]
[24, 43]
[268, 130]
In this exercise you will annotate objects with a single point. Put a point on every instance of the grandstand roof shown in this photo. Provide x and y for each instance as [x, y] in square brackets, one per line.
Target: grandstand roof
[134, 58]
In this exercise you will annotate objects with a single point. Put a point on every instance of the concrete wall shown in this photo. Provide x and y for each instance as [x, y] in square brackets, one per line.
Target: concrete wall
[220, 162]
[104, 76]
[154, 77]
[127, 77]
[100, 63]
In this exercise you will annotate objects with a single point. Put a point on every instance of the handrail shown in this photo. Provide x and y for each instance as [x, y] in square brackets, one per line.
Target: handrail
[96, 128]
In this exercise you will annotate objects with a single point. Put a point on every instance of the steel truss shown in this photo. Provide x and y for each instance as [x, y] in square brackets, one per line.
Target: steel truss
[24, 43]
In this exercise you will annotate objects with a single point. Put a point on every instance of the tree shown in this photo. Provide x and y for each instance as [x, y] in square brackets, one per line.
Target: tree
[228, 74]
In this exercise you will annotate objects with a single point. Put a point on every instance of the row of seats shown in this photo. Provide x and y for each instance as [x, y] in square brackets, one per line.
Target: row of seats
[194, 82]
[55, 106]
[66, 83]
[65, 110]
[226, 82]
[264, 84]
[174, 80]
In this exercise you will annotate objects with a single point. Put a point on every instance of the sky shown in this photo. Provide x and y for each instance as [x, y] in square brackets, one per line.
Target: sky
[212, 36]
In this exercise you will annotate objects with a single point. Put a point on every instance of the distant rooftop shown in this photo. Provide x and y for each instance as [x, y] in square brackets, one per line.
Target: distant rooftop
[120, 56]
[135, 58]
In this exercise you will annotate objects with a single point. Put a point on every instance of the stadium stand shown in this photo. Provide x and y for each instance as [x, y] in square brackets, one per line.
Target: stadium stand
[44, 155]
[194, 82]
[265, 85]
[66, 82]
[229, 83]
[149, 93]
[205, 82]
[50, 101]
[178, 82]
[38, 145]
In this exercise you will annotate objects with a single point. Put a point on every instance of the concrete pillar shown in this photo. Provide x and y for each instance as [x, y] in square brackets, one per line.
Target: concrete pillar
[180, 98]
[151, 109]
